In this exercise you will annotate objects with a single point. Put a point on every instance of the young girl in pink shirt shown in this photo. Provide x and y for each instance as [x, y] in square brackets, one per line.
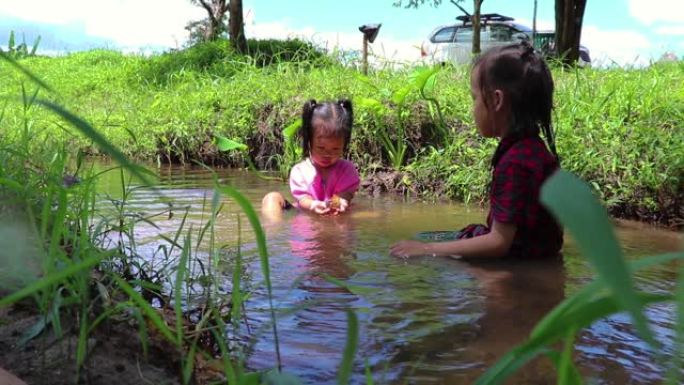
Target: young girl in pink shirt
[323, 182]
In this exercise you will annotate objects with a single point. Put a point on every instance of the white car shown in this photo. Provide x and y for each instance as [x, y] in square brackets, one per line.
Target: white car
[453, 43]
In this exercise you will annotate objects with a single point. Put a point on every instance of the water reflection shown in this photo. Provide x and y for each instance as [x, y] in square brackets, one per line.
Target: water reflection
[322, 245]
[422, 321]
[516, 295]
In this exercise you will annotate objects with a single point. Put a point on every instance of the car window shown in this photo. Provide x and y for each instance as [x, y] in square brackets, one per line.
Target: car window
[464, 34]
[444, 35]
[500, 33]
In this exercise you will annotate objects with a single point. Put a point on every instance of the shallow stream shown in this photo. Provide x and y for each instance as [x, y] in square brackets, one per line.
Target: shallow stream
[421, 321]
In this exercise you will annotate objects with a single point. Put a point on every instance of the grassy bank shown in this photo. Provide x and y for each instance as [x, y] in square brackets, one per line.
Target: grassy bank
[78, 273]
[620, 130]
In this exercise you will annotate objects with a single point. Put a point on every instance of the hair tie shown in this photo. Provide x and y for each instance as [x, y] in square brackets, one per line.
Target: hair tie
[527, 49]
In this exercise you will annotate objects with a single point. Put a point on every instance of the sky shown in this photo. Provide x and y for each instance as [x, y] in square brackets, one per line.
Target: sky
[623, 32]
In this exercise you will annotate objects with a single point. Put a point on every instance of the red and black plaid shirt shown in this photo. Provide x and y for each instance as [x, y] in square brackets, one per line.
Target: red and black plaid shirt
[521, 165]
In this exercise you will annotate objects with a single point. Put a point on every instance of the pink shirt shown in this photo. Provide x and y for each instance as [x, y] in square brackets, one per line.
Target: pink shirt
[306, 181]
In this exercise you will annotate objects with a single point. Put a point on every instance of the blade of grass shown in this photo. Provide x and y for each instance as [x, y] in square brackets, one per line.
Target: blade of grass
[178, 288]
[347, 364]
[145, 308]
[573, 203]
[580, 316]
[236, 295]
[51, 279]
[567, 372]
[228, 369]
[25, 71]
[96, 137]
[248, 209]
[674, 375]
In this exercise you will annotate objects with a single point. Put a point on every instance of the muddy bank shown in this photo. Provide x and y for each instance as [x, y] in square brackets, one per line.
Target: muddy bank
[457, 168]
[114, 353]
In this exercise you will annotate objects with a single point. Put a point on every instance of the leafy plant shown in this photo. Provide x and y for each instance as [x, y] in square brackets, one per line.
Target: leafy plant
[394, 143]
[20, 51]
[225, 144]
[613, 291]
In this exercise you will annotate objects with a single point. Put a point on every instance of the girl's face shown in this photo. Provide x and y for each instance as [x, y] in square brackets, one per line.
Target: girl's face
[326, 149]
[488, 108]
[480, 112]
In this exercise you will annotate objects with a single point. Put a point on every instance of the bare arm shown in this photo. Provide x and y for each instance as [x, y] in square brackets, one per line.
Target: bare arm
[305, 202]
[495, 244]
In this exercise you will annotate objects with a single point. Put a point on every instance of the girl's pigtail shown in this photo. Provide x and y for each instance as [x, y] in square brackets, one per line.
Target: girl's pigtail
[347, 120]
[307, 129]
[551, 141]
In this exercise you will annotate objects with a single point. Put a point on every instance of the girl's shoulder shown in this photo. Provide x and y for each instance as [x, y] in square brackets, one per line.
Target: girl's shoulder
[303, 169]
[529, 152]
[530, 147]
[303, 165]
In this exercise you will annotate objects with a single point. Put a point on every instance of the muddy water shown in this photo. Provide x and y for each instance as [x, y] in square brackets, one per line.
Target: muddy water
[422, 321]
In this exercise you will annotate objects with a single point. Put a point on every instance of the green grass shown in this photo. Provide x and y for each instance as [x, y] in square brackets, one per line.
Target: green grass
[618, 129]
[621, 130]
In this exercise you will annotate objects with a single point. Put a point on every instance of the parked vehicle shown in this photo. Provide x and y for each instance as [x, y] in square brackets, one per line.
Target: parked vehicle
[454, 43]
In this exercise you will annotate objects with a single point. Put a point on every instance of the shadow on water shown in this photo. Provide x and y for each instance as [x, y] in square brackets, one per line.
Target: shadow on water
[422, 321]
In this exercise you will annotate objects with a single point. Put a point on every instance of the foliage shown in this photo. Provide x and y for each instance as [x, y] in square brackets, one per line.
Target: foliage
[617, 128]
[613, 291]
[211, 28]
[82, 275]
[79, 275]
[20, 51]
[219, 59]
[394, 143]
[273, 51]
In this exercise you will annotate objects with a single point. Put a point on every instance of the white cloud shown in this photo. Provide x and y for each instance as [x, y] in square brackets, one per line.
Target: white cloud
[619, 46]
[128, 23]
[542, 25]
[385, 47]
[657, 11]
[670, 30]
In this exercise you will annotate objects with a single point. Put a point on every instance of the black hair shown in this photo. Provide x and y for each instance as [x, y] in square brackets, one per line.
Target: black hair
[526, 81]
[334, 118]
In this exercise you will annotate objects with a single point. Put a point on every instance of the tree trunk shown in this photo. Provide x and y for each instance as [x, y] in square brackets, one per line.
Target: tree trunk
[569, 16]
[477, 5]
[237, 26]
[534, 23]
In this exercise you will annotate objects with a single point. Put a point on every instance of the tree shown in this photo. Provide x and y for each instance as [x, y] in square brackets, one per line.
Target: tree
[569, 16]
[215, 24]
[236, 28]
[477, 5]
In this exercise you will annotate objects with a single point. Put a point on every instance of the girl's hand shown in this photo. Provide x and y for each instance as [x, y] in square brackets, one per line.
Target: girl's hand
[344, 204]
[319, 207]
[407, 249]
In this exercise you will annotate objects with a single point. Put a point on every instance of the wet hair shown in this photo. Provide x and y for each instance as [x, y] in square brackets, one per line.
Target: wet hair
[523, 76]
[329, 118]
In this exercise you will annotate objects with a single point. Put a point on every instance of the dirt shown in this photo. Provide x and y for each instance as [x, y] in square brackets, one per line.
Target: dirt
[115, 354]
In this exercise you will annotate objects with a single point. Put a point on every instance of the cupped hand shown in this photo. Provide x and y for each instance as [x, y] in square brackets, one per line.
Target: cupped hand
[410, 249]
[319, 207]
[344, 204]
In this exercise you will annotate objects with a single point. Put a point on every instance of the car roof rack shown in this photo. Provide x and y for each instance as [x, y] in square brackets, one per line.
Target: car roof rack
[484, 18]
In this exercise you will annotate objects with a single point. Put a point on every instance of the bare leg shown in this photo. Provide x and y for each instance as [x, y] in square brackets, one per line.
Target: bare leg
[273, 202]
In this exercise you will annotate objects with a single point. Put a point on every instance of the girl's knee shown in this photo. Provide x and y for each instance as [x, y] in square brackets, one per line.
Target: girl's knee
[273, 201]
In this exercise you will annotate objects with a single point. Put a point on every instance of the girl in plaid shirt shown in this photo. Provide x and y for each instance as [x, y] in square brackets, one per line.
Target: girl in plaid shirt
[512, 92]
